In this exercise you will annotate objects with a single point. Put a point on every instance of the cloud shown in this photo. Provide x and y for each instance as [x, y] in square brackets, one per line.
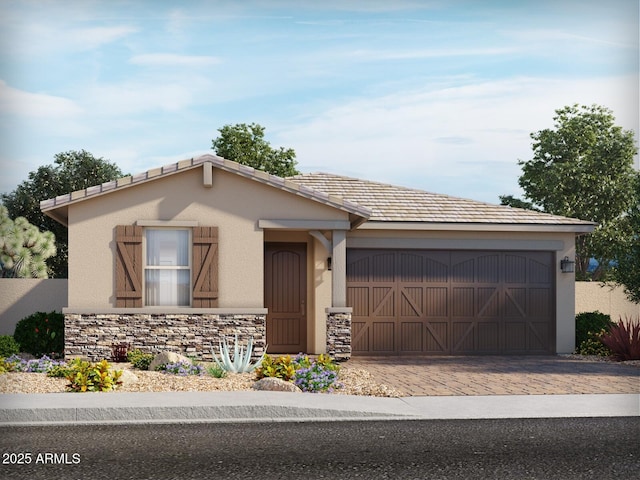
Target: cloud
[30, 37]
[433, 137]
[381, 55]
[173, 60]
[90, 38]
[454, 140]
[35, 105]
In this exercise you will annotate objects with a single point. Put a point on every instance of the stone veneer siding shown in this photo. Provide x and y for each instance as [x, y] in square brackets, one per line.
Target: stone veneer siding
[339, 333]
[92, 336]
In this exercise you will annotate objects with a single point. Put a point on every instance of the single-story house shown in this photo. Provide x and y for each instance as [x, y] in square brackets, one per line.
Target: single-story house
[181, 256]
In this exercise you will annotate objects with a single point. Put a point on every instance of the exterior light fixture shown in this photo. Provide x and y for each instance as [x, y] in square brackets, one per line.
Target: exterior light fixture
[328, 263]
[567, 266]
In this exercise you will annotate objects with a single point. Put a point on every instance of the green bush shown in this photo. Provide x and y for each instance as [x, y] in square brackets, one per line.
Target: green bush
[59, 371]
[282, 367]
[8, 346]
[589, 326]
[41, 334]
[4, 366]
[140, 359]
[216, 371]
[594, 346]
[92, 377]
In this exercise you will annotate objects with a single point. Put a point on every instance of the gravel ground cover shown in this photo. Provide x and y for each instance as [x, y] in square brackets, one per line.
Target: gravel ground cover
[355, 381]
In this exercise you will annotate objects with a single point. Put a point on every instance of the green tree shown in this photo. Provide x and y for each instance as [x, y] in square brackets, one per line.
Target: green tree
[583, 168]
[72, 170]
[627, 269]
[23, 248]
[245, 144]
[514, 202]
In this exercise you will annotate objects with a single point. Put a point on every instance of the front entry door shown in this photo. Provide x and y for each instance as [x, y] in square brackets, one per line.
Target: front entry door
[285, 293]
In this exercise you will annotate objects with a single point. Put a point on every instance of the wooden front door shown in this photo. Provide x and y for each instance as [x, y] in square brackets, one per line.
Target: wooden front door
[285, 293]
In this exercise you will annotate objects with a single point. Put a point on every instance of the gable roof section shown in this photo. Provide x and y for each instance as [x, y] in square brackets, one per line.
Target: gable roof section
[410, 208]
[378, 205]
[57, 208]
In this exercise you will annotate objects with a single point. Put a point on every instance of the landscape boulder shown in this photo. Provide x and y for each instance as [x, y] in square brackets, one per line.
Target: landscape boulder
[128, 377]
[167, 357]
[273, 384]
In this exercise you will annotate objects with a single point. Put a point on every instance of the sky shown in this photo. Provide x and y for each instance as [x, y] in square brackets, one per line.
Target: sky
[436, 95]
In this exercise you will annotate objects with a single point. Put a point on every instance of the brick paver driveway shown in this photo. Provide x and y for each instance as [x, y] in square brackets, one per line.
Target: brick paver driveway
[495, 375]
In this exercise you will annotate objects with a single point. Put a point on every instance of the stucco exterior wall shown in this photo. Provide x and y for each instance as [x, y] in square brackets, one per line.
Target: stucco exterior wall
[563, 244]
[592, 296]
[234, 204]
[21, 297]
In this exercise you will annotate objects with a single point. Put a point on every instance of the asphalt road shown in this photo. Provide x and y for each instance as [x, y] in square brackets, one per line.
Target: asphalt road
[597, 448]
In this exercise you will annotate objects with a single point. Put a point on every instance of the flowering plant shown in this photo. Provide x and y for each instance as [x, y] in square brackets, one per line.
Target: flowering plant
[316, 378]
[182, 369]
[41, 365]
[319, 375]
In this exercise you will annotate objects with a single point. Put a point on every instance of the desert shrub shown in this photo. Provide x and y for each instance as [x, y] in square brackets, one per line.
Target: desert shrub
[40, 365]
[589, 325]
[315, 378]
[119, 352]
[318, 375]
[181, 368]
[92, 377]
[8, 346]
[140, 359]
[41, 334]
[623, 339]
[594, 346]
[216, 371]
[4, 366]
[282, 367]
[59, 371]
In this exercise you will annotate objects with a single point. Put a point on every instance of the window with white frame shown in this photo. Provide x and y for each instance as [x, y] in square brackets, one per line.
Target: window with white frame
[167, 272]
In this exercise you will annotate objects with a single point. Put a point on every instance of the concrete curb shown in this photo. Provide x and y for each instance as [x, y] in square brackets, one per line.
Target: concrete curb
[192, 407]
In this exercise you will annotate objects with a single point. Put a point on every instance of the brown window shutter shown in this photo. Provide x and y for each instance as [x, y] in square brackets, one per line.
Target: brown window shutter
[129, 266]
[205, 267]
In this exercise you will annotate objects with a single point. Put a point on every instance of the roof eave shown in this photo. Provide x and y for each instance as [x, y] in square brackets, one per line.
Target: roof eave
[60, 215]
[581, 228]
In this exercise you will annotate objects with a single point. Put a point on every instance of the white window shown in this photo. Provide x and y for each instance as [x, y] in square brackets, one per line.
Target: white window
[167, 272]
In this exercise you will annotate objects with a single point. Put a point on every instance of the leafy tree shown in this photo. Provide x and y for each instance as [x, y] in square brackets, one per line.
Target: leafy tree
[514, 202]
[627, 269]
[23, 248]
[246, 144]
[583, 168]
[73, 170]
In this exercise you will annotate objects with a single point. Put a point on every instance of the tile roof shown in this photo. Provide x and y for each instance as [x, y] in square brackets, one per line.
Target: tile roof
[218, 162]
[390, 203]
[367, 200]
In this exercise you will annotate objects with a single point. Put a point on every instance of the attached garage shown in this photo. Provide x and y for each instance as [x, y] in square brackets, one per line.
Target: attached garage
[429, 302]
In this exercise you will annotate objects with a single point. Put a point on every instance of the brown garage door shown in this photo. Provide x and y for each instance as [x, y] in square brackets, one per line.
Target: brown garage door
[425, 302]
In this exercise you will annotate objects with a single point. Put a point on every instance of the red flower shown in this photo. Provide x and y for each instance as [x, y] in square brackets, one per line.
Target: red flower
[37, 331]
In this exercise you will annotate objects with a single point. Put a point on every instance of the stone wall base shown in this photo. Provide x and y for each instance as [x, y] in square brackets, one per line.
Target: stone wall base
[339, 333]
[92, 336]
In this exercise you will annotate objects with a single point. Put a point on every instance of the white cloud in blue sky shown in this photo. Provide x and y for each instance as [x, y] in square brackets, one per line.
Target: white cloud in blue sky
[438, 95]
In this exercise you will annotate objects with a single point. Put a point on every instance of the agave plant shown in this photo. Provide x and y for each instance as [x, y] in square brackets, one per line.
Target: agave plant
[241, 362]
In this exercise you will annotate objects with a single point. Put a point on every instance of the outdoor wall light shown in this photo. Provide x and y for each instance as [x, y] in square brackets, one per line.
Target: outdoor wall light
[328, 263]
[566, 265]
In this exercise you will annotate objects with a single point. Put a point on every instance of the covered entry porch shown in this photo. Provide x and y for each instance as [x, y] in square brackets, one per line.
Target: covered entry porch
[305, 287]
